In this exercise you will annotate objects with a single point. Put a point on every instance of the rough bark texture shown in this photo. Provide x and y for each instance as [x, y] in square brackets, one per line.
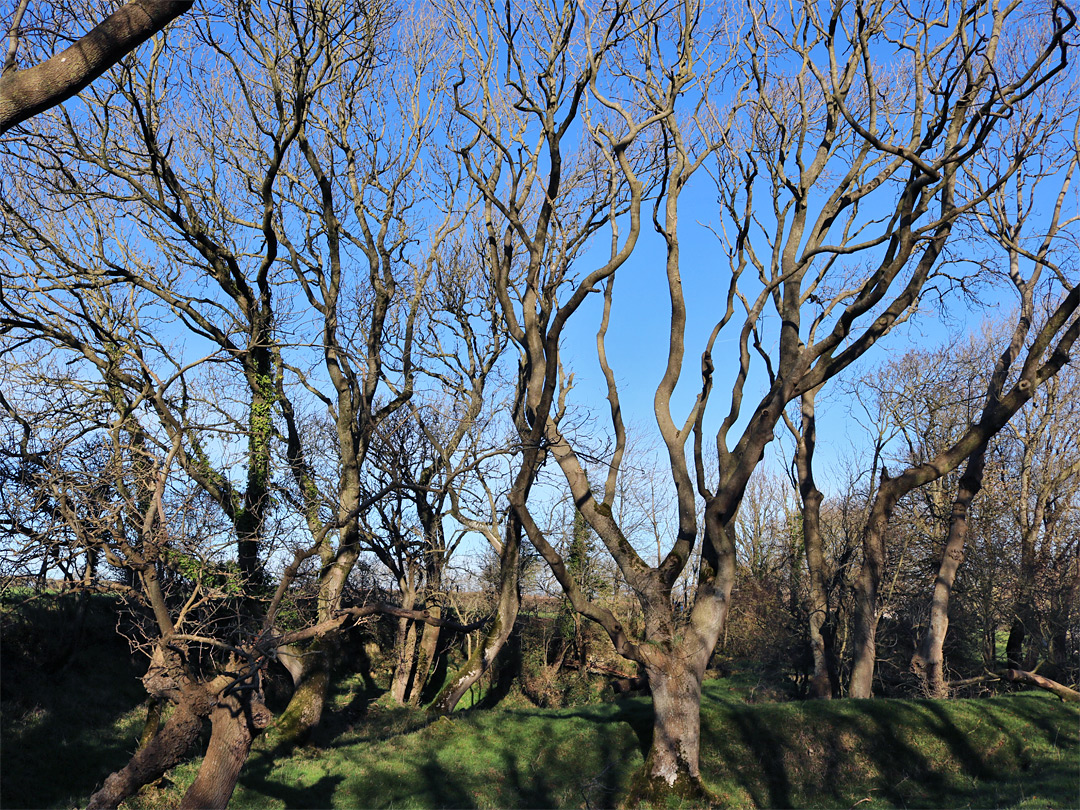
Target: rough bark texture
[671, 766]
[166, 750]
[928, 663]
[405, 645]
[236, 720]
[823, 680]
[866, 602]
[24, 93]
[152, 724]
[304, 712]
[425, 657]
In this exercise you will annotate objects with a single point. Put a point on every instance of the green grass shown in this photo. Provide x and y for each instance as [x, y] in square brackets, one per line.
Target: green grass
[1014, 751]
[67, 721]
[69, 701]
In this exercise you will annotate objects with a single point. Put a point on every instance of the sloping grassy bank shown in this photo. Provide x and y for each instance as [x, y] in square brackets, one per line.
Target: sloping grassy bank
[69, 699]
[69, 715]
[1012, 751]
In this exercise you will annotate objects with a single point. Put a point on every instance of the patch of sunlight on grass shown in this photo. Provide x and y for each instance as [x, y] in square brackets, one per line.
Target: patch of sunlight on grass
[1017, 751]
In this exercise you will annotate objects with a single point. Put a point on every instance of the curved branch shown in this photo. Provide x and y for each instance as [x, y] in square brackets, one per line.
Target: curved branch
[24, 93]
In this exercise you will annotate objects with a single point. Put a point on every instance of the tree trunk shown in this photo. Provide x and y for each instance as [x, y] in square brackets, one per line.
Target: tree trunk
[675, 674]
[152, 724]
[305, 708]
[866, 601]
[928, 663]
[406, 659]
[166, 750]
[1014, 647]
[481, 659]
[236, 720]
[1064, 602]
[425, 656]
[428, 651]
[672, 765]
[405, 646]
[506, 614]
[1024, 610]
[823, 680]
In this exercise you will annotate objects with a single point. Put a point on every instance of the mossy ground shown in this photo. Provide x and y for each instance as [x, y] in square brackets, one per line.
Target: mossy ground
[1018, 750]
[69, 714]
[1012, 751]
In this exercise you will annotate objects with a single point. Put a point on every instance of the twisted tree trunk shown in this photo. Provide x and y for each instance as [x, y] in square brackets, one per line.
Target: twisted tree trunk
[165, 750]
[236, 719]
[496, 636]
[311, 680]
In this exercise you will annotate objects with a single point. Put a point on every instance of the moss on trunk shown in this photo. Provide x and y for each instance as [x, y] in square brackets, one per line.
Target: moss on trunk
[305, 709]
[649, 790]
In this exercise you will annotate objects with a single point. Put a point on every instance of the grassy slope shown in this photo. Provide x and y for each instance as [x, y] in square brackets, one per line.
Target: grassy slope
[66, 720]
[1012, 751]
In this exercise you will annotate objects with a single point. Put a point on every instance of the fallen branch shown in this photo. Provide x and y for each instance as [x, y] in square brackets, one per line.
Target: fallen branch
[594, 669]
[989, 677]
[1062, 691]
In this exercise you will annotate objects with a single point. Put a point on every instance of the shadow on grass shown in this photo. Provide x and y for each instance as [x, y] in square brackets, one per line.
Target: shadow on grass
[827, 754]
[892, 752]
[259, 777]
[60, 734]
[1020, 750]
[511, 758]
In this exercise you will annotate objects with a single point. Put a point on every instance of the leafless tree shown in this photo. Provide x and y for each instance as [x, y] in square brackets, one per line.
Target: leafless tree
[258, 266]
[1007, 221]
[814, 121]
[435, 450]
[1043, 464]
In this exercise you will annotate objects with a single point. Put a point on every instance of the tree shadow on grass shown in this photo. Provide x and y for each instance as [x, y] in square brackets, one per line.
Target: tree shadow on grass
[814, 754]
[59, 735]
[911, 752]
[259, 776]
[767, 749]
[1031, 705]
[901, 753]
[498, 759]
[597, 777]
